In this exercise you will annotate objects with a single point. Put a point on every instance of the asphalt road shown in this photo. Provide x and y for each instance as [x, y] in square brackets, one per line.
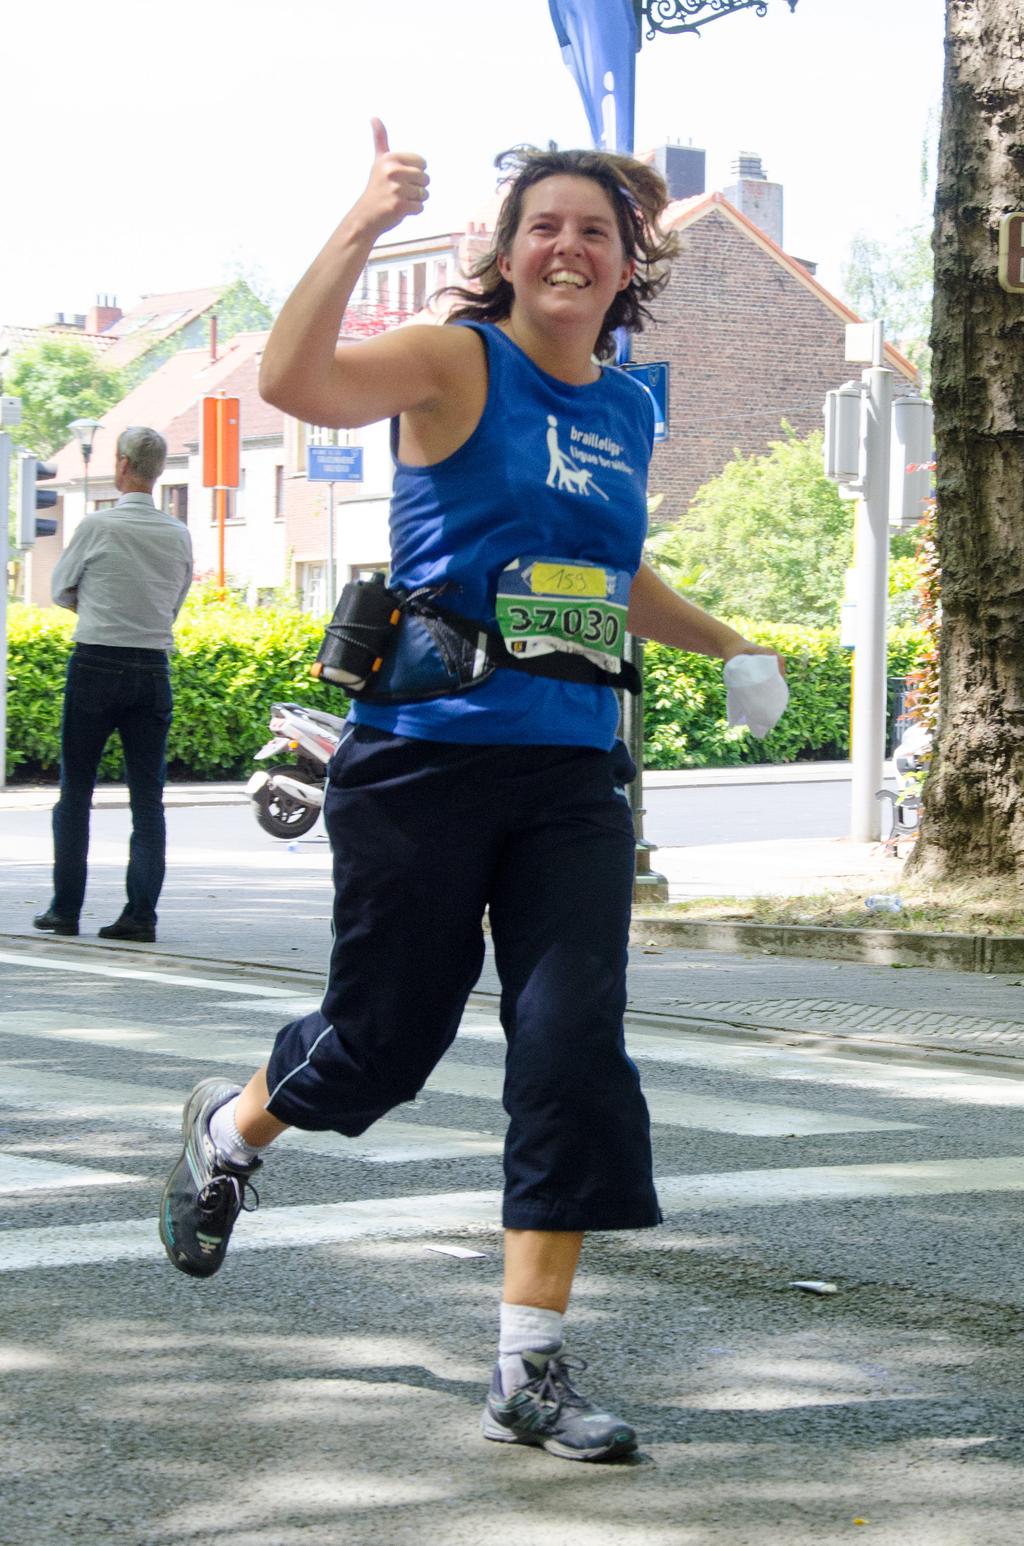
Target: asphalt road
[745, 813]
[325, 1387]
[684, 816]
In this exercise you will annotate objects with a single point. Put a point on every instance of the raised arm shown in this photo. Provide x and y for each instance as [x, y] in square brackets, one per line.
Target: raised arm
[304, 370]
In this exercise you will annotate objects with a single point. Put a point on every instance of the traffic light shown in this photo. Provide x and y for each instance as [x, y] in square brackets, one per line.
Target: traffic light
[30, 499]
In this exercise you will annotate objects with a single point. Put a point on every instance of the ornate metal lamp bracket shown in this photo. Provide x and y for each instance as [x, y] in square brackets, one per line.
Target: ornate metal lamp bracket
[691, 15]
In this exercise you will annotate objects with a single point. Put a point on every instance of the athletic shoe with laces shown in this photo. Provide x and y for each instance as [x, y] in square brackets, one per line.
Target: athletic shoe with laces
[204, 1193]
[550, 1412]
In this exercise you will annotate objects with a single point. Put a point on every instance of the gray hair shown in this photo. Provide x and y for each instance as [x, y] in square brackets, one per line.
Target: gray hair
[145, 450]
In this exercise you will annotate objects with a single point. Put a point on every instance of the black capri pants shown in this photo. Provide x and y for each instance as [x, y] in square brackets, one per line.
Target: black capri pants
[425, 836]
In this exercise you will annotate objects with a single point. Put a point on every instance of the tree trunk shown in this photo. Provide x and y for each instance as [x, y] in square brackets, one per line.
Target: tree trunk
[974, 810]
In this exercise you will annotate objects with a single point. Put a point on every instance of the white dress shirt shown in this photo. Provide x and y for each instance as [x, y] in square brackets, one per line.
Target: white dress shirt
[126, 572]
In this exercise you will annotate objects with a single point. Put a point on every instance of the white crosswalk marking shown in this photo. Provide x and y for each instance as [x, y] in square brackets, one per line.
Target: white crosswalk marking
[104, 1100]
[668, 1107]
[673, 1109]
[327, 1223]
[84, 967]
[19, 1173]
[42, 1088]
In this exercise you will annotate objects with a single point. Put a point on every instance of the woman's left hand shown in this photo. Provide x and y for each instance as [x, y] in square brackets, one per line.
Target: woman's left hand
[746, 648]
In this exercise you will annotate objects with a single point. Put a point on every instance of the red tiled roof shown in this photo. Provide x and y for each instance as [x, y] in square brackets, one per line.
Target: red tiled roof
[259, 421]
[167, 401]
[155, 317]
[14, 340]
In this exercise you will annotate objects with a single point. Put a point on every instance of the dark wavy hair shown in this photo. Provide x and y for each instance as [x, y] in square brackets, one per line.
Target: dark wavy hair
[638, 196]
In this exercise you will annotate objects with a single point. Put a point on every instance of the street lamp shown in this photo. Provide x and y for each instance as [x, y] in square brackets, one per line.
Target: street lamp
[83, 431]
[685, 15]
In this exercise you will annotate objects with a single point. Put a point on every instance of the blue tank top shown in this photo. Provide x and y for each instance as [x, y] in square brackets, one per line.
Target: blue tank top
[550, 470]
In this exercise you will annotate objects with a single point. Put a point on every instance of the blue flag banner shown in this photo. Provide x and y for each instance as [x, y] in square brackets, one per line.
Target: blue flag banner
[598, 40]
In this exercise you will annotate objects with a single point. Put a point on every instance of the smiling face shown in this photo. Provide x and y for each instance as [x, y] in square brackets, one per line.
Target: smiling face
[566, 262]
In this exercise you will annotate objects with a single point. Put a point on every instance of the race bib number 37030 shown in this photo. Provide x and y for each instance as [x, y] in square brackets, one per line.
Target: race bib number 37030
[546, 604]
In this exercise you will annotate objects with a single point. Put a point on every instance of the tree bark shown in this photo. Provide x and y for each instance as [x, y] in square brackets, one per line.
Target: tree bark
[974, 810]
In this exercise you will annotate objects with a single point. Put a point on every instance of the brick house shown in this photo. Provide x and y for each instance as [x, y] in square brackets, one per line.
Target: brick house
[751, 338]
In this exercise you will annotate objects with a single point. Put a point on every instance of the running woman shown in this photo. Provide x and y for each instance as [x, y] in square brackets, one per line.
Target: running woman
[520, 484]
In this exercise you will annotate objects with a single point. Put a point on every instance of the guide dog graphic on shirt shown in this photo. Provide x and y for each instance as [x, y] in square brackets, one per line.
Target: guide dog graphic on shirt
[563, 472]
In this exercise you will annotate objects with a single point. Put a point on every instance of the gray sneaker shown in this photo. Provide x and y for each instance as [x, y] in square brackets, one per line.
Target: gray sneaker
[549, 1412]
[204, 1193]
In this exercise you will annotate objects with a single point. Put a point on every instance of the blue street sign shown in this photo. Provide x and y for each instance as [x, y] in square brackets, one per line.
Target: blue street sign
[334, 464]
[655, 379]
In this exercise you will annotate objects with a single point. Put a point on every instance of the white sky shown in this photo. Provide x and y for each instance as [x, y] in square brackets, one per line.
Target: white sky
[156, 147]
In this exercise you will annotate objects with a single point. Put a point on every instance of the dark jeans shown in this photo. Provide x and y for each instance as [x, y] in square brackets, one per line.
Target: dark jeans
[108, 689]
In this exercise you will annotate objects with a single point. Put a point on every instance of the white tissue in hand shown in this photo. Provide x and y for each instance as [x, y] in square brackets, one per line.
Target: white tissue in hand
[756, 692]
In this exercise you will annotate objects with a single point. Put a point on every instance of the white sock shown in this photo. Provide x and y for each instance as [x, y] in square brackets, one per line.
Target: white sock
[228, 1141]
[524, 1328]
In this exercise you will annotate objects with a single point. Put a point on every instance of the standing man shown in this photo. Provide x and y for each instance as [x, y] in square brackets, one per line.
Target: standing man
[126, 572]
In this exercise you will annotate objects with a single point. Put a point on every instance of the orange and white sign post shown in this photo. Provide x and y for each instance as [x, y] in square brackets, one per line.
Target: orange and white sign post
[219, 440]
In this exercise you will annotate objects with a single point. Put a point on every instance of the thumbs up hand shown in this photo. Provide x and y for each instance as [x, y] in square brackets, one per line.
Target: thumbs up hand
[397, 186]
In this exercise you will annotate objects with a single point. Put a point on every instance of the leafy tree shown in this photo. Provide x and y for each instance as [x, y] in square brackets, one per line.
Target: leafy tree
[893, 281]
[768, 538]
[904, 586]
[238, 310]
[59, 380]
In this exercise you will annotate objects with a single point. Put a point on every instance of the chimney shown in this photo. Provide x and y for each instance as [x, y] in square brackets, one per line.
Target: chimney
[748, 166]
[682, 167]
[754, 196]
[103, 315]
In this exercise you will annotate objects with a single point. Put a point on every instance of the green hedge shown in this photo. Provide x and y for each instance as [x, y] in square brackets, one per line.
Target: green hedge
[684, 700]
[232, 663]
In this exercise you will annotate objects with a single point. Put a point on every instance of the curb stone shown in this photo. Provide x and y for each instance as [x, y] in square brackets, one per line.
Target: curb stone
[870, 947]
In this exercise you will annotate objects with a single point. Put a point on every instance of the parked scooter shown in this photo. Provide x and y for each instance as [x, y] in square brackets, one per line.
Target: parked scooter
[288, 797]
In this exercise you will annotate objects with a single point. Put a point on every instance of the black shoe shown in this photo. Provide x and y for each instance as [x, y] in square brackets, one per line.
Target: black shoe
[50, 923]
[549, 1412]
[127, 928]
[204, 1194]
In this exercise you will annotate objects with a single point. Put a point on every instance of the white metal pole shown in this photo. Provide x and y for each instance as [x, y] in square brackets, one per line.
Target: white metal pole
[5, 504]
[331, 597]
[872, 586]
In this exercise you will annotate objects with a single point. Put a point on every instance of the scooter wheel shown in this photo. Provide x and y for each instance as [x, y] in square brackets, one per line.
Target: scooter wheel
[278, 813]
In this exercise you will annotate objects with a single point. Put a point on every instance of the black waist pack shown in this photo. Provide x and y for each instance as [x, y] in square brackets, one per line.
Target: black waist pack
[386, 646]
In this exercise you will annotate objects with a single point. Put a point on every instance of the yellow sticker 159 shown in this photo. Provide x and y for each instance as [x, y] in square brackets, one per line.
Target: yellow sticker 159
[554, 579]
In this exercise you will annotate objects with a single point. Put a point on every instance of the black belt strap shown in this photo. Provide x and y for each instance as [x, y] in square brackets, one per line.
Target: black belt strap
[561, 664]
